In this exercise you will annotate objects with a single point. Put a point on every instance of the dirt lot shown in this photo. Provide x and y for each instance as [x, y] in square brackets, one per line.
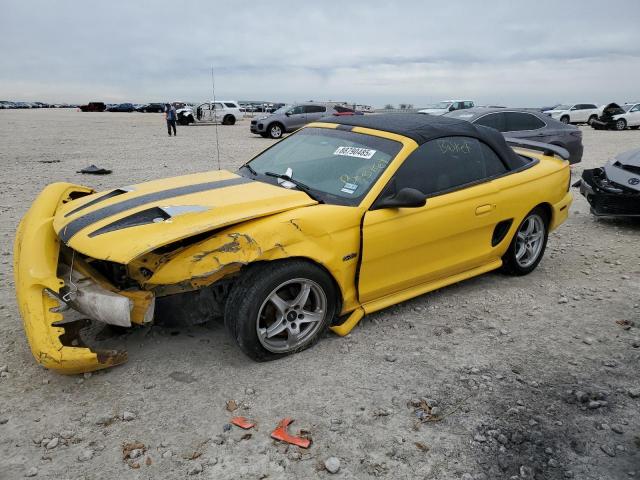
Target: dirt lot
[533, 376]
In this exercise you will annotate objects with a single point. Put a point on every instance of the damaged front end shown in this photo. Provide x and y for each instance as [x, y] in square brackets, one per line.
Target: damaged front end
[51, 279]
[614, 190]
[607, 119]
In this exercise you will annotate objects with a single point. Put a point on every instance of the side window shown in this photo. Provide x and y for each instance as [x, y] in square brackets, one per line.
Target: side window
[636, 108]
[218, 106]
[297, 110]
[444, 164]
[230, 105]
[518, 121]
[493, 120]
[590, 106]
[315, 109]
[468, 104]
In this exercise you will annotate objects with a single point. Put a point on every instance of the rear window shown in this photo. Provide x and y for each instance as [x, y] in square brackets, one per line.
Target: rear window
[493, 120]
[519, 121]
[315, 109]
[230, 105]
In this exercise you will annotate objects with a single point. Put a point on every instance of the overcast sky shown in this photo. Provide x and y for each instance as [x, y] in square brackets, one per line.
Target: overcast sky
[500, 52]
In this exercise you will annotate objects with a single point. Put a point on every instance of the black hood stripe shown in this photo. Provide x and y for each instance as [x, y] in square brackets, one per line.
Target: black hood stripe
[80, 223]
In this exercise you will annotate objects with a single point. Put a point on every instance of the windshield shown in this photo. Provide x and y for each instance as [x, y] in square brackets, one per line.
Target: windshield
[439, 105]
[628, 106]
[284, 109]
[563, 107]
[337, 165]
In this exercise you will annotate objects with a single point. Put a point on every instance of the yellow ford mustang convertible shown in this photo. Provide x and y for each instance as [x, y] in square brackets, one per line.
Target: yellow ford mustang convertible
[345, 217]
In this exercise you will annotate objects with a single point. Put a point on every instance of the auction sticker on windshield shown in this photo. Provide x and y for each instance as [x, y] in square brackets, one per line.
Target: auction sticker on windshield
[355, 152]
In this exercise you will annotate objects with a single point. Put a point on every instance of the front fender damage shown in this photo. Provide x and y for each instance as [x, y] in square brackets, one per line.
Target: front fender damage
[224, 255]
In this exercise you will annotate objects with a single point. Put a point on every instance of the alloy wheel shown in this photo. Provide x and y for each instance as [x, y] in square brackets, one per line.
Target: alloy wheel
[276, 131]
[291, 315]
[529, 240]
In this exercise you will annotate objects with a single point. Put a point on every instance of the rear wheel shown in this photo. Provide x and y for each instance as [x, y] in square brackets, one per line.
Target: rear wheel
[276, 309]
[528, 244]
[275, 130]
[564, 119]
[620, 124]
[229, 120]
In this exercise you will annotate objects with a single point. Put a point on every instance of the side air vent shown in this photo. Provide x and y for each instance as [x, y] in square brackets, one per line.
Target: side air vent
[102, 198]
[151, 215]
[501, 230]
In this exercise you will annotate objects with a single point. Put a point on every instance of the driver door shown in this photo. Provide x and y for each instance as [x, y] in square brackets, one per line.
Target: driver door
[452, 233]
[297, 118]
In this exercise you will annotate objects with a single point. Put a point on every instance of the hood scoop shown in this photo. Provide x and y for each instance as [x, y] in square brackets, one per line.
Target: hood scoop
[145, 217]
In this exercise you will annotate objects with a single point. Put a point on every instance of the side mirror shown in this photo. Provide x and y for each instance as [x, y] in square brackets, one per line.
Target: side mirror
[288, 114]
[405, 198]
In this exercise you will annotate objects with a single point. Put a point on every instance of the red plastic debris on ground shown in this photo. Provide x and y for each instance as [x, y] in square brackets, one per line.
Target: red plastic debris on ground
[281, 433]
[242, 422]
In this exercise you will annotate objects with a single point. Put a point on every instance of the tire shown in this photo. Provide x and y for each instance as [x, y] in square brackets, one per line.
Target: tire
[250, 309]
[275, 130]
[185, 120]
[515, 262]
[591, 119]
[620, 124]
[565, 120]
[229, 120]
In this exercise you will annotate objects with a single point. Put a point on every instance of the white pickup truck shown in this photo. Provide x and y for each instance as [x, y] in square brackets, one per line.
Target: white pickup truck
[574, 113]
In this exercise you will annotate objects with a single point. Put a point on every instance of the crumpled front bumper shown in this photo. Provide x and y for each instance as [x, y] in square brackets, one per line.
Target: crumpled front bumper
[607, 198]
[36, 253]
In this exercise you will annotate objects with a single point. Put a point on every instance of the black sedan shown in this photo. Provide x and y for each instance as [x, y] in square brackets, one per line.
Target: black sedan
[528, 125]
[151, 108]
[122, 107]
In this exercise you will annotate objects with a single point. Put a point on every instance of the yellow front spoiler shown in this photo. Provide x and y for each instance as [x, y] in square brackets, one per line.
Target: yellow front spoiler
[36, 251]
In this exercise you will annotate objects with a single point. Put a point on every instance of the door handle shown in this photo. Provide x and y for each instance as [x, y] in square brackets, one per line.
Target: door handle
[482, 209]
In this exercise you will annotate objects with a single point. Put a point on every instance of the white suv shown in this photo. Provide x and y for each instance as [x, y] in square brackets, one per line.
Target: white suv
[574, 113]
[446, 106]
[226, 112]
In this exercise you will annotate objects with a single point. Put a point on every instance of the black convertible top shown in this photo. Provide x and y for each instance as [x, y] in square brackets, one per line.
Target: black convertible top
[423, 128]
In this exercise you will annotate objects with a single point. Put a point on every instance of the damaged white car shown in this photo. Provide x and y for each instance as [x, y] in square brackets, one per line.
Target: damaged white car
[226, 112]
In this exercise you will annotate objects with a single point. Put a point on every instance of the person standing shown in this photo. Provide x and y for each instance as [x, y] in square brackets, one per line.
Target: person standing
[170, 115]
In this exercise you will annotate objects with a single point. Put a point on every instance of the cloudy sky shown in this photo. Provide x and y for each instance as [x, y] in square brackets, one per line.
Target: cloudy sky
[500, 52]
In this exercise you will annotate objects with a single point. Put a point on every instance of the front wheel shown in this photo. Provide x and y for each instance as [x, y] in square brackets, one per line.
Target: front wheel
[565, 120]
[276, 309]
[591, 119]
[528, 244]
[621, 124]
[275, 130]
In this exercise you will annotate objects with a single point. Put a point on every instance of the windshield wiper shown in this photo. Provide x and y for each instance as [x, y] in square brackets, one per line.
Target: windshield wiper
[301, 186]
[250, 168]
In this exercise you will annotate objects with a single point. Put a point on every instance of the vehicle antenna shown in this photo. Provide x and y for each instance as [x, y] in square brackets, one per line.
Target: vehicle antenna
[215, 116]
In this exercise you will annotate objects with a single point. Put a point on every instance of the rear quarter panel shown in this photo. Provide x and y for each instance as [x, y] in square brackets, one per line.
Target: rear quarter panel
[545, 183]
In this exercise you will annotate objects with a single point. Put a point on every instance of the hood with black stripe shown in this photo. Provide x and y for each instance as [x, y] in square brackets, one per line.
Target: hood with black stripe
[122, 224]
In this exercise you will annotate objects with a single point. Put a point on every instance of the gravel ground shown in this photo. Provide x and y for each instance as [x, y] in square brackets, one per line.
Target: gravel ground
[533, 377]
